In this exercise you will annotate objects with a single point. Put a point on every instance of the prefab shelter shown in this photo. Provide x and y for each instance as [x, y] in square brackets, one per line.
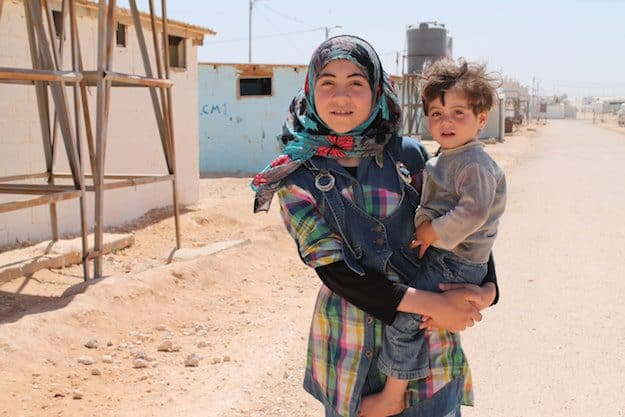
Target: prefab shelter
[242, 108]
[133, 134]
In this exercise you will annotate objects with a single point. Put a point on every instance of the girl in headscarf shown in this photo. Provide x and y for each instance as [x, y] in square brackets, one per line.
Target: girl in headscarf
[346, 182]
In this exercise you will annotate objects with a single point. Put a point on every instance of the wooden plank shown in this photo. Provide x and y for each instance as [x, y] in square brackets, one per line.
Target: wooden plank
[29, 76]
[23, 177]
[39, 201]
[110, 176]
[133, 182]
[125, 80]
[34, 188]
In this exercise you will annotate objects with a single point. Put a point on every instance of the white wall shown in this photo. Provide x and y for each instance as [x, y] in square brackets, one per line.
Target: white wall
[133, 140]
[238, 134]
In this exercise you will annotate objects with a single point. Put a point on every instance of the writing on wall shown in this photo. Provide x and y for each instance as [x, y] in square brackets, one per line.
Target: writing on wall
[214, 110]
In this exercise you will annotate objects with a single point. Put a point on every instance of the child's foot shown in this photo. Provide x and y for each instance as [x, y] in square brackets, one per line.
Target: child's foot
[378, 405]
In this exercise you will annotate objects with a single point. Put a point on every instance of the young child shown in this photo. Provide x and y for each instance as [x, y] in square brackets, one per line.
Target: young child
[463, 197]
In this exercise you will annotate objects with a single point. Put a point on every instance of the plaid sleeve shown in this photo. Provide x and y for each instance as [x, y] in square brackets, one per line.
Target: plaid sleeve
[317, 244]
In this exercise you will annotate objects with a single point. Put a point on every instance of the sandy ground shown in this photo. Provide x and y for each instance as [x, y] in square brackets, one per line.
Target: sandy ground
[553, 347]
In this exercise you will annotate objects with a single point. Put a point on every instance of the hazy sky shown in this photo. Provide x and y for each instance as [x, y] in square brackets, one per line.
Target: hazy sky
[575, 47]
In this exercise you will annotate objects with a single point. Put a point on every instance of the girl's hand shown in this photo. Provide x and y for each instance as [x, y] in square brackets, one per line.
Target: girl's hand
[479, 297]
[486, 292]
[455, 310]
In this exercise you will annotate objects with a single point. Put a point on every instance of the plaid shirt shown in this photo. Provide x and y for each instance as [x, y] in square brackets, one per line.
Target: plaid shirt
[337, 336]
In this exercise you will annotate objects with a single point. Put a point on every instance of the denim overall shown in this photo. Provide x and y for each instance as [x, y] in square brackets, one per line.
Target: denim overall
[371, 244]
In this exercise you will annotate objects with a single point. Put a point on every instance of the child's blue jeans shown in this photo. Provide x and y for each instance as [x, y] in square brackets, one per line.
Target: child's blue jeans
[405, 354]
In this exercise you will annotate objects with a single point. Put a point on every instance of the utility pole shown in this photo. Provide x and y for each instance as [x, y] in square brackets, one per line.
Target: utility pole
[532, 103]
[329, 28]
[249, 40]
[397, 63]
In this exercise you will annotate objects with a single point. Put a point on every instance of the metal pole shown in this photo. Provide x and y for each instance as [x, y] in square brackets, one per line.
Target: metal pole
[170, 119]
[148, 69]
[43, 108]
[98, 175]
[58, 65]
[249, 41]
[84, 227]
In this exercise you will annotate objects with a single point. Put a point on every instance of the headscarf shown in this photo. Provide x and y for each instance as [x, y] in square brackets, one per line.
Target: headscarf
[304, 134]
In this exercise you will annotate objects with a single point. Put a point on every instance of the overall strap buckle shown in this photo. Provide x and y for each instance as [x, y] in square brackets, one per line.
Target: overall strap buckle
[403, 172]
[324, 181]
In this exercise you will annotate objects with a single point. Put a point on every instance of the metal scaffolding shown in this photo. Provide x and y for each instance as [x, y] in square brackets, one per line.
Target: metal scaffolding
[411, 104]
[50, 79]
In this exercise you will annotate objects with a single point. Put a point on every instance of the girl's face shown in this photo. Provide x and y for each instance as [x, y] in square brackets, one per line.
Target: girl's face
[343, 96]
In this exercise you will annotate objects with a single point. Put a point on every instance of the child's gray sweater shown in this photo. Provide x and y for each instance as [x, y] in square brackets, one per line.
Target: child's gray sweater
[464, 195]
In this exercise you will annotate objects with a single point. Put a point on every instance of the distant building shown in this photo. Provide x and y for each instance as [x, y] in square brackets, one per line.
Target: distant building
[133, 139]
[605, 105]
[554, 107]
[242, 108]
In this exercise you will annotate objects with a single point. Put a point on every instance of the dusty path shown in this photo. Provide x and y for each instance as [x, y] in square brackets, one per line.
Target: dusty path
[555, 345]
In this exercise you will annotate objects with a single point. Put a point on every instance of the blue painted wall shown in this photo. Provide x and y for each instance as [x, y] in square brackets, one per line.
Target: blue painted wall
[238, 134]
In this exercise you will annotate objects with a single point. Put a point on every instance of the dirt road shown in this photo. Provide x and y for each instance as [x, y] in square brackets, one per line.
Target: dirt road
[555, 346]
[552, 347]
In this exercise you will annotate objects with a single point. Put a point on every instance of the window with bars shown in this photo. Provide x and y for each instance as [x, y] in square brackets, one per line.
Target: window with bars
[57, 18]
[120, 35]
[177, 52]
[256, 86]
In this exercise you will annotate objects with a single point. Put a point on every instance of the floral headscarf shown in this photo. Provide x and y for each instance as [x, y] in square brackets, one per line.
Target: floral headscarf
[304, 133]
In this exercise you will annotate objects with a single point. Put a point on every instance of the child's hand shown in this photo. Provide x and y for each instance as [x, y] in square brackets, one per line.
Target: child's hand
[425, 235]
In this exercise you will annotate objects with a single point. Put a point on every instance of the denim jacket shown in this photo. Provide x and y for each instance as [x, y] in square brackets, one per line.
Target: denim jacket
[376, 244]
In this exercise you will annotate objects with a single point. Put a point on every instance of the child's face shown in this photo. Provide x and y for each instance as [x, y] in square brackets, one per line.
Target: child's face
[343, 97]
[454, 123]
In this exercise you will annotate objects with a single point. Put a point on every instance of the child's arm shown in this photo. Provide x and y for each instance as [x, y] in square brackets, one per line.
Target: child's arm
[477, 187]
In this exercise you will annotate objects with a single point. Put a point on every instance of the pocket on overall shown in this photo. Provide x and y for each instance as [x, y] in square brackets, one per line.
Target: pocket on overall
[458, 270]
[412, 255]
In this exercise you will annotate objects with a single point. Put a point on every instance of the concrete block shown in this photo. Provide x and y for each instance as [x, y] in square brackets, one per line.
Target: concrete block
[187, 254]
[26, 261]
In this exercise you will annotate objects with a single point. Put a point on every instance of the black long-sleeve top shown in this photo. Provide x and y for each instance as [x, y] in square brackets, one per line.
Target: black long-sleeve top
[373, 292]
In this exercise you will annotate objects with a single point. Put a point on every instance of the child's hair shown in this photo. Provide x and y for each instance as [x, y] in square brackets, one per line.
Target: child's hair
[470, 79]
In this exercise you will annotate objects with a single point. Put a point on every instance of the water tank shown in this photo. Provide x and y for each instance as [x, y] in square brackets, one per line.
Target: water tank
[425, 42]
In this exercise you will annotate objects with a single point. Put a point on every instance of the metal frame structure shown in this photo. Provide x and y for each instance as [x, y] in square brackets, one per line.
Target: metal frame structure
[411, 104]
[50, 79]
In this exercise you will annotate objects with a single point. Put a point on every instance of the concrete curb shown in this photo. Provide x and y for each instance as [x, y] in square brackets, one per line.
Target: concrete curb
[21, 262]
[187, 254]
